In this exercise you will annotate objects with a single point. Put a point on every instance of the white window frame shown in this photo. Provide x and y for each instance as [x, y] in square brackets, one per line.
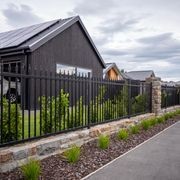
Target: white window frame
[72, 70]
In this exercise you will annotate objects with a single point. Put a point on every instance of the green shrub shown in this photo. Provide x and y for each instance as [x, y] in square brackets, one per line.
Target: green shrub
[31, 170]
[123, 134]
[160, 119]
[134, 129]
[177, 111]
[103, 141]
[76, 114]
[152, 121]
[54, 109]
[166, 116]
[73, 154]
[139, 104]
[145, 124]
[15, 121]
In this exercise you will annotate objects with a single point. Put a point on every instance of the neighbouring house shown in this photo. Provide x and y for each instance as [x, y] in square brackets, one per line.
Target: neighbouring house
[139, 75]
[62, 45]
[112, 72]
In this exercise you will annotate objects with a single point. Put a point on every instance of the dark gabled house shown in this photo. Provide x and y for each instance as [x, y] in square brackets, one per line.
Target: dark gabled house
[62, 44]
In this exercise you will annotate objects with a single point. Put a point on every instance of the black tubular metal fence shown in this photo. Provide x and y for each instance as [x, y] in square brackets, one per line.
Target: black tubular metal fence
[41, 103]
[170, 96]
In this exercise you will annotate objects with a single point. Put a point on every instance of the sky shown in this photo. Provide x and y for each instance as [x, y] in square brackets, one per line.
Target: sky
[135, 34]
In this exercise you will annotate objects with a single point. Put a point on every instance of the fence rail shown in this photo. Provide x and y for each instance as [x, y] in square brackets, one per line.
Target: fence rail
[170, 96]
[42, 103]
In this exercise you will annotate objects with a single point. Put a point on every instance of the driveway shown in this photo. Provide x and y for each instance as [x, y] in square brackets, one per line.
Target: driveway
[156, 159]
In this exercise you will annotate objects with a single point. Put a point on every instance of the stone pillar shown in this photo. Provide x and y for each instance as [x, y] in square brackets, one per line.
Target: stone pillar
[156, 94]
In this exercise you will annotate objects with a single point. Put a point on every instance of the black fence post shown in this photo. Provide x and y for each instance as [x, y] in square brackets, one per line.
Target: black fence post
[129, 98]
[166, 96]
[1, 118]
[89, 100]
[150, 97]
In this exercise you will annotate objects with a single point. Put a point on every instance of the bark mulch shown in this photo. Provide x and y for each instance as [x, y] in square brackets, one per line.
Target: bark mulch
[92, 158]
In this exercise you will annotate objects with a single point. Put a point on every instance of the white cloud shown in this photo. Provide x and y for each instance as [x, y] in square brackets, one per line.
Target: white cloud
[18, 16]
[136, 34]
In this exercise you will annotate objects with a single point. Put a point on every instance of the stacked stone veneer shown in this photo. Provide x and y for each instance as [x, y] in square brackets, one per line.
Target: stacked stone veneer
[14, 156]
[156, 94]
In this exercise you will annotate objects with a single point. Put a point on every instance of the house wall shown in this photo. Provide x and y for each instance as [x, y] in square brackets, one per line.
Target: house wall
[112, 74]
[71, 47]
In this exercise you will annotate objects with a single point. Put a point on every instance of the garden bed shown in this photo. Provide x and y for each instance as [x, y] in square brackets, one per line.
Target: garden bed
[92, 157]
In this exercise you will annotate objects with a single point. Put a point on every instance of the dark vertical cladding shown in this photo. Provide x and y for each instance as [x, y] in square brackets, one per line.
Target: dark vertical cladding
[71, 47]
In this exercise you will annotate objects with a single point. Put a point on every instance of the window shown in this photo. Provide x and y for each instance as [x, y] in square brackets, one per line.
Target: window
[72, 70]
[65, 69]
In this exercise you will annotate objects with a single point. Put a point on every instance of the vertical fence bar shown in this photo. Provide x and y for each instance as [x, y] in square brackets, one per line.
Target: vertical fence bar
[35, 101]
[64, 91]
[22, 96]
[72, 101]
[89, 100]
[55, 102]
[1, 120]
[79, 97]
[68, 90]
[75, 103]
[40, 103]
[50, 99]
[16, 102]
[97, 94]
[129, 98]
[166, 96]
[29, 103]
[9, 104]
[45, 128]
[82, 103]
[85, 99]
[59, 100]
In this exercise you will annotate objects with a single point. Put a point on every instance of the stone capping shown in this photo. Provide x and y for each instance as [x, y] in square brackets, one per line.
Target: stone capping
[17, 155]
[169, 109]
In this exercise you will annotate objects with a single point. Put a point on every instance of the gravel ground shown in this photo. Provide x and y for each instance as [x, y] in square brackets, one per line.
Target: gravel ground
[92, 158]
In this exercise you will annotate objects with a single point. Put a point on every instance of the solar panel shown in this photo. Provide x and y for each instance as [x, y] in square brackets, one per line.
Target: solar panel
[17, 37]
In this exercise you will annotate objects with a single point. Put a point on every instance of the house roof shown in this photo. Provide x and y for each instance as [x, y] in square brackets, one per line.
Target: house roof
[109, 66]
[32, 37]
[140, 75]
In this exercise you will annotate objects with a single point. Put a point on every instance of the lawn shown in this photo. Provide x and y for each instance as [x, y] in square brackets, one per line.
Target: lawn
[32, 124]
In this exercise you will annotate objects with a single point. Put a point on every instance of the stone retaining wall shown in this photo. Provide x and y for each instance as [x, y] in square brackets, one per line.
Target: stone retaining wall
[15, 156]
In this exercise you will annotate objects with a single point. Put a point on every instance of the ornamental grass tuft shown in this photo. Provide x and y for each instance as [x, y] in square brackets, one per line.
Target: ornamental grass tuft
[31, 170]
[73, 154]
[123, 134]
[103, 141]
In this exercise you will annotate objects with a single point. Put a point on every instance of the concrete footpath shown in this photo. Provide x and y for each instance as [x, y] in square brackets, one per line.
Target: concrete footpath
[156, 159]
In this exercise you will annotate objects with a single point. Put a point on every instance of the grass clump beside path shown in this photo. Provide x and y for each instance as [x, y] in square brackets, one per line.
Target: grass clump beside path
[73, 154]
[134, 129]
[145, 124]
[123, 134]
[103, 141]
[31, 170]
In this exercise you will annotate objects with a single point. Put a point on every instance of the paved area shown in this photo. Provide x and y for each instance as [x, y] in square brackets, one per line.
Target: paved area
[157, 159]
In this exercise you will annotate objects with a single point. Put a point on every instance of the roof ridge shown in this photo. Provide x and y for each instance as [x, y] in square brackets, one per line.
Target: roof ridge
[140, 71]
